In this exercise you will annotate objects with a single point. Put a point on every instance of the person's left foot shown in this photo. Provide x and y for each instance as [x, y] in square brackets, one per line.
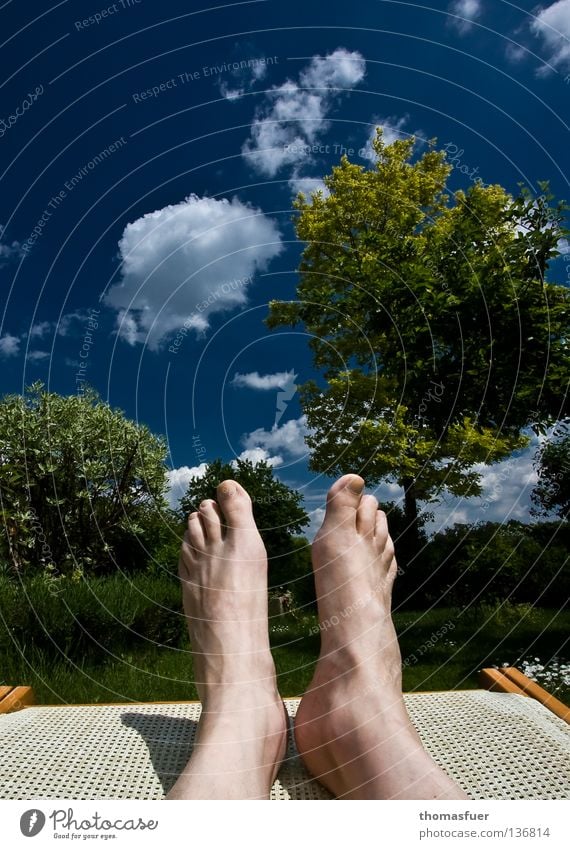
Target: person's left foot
[243, 728]
[352, 729]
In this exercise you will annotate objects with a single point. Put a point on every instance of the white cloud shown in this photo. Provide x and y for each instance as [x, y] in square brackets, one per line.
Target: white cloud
[244, 77]
[552, 26]
[37, 356]
[506, 493]
[231, 93]
[254, 380]
[466, 12]
[308, 186]
[316, 516]
[393, 128]
[9, 345]
[257, 455]
[178, 480]
[66, 322]
[128, 327]
[288, 438]
[186, 261]
[66, 326]
[8, 251]
[296, 113]
[39, 330]
[515, 53]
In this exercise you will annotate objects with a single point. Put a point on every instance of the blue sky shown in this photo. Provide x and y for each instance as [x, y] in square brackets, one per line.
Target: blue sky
[149, 157]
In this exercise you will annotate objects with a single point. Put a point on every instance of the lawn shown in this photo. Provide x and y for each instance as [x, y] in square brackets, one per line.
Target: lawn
[442, 649]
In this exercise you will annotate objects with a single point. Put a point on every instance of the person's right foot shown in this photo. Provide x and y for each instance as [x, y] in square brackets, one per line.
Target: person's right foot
[243, 727]
[352, 728]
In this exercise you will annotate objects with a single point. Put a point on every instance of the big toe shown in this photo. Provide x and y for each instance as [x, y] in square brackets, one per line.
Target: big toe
[343, 500]
[235, 504]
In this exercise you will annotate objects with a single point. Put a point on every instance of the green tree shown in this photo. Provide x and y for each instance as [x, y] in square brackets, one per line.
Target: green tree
[552, 491]
[77, 481]
[277, 509]
[438, 336]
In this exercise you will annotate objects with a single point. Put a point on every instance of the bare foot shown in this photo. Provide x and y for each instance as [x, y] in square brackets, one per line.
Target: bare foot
[242, 733]
[352, 728]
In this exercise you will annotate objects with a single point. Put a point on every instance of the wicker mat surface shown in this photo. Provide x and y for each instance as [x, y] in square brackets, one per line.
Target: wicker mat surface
[495, 745]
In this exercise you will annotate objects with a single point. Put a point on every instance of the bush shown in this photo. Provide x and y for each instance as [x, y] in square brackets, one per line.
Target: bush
[294, 572]
[492, 562]
[89, 619]
[80, 483]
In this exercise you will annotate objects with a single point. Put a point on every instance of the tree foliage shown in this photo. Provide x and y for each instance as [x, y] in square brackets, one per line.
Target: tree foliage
[487, 562]
[77, 481]
[277, 509]
[430, 316]
[552, 491]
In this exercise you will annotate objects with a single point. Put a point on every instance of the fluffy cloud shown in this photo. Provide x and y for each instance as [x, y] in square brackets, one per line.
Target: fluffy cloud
[186, 261]
[254, 380]
[40, 329]
[308, 186]
[178, 480]
[244, 77]
[9, 345]
[552, 26]
[465, 12]
[288, 438]
[515, 53]
[295, 115]
[393, 128]
[506, 493]
[68, 322]
[8, 251]
[231, 93]
[316, 516]
[257, 455]
[37, 356]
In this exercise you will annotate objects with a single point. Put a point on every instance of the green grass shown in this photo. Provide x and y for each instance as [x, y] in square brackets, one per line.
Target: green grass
[442, 649]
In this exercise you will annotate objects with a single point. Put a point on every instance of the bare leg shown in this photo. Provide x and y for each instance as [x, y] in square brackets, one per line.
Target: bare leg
[352, 727]
[242, 733]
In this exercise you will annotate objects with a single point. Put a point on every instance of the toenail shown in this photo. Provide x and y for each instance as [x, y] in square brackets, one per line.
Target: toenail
[227, 489]
[356, 486]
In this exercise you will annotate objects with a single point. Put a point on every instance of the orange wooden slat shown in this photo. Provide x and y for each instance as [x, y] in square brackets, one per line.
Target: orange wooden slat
[4, 691]
[18, 698]
[494, 679]
[531, 688]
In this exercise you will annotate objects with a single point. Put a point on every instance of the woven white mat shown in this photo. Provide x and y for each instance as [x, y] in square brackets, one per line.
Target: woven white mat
[495, 745]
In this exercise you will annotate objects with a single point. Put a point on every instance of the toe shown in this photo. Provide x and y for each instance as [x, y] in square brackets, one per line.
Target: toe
[235, 504]
[343, 500]
[193, 545]
[381, 530]
[211, 519]
[366, 515]
[195, 536]
[384, 542]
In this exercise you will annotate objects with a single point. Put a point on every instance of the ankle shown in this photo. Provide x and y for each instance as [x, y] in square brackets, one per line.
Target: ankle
[252, 699]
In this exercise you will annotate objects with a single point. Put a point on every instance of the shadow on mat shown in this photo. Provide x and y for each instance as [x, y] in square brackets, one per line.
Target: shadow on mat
[169, 740]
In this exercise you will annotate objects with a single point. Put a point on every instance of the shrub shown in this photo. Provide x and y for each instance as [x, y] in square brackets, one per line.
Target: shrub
[90, 618]
[79, 483]
[491, 562]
